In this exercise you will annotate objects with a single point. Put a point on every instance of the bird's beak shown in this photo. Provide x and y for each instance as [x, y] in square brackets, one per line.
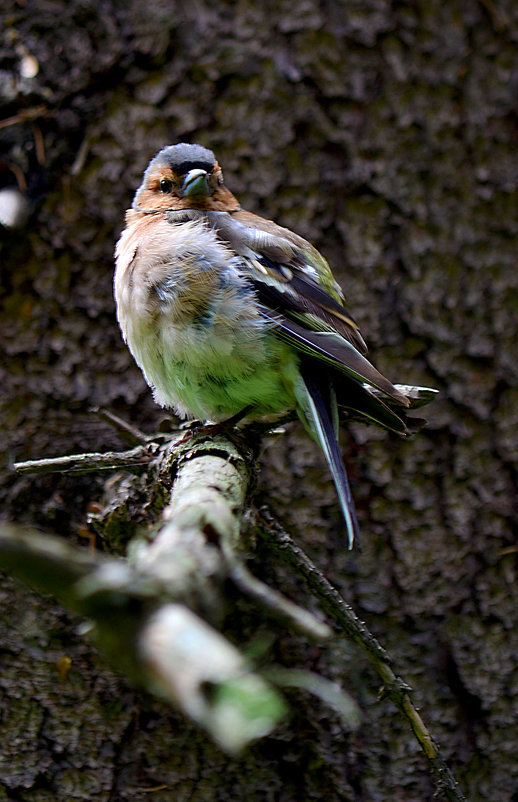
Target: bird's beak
[195, 183]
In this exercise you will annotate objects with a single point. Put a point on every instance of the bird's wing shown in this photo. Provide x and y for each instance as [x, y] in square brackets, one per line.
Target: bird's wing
[289, 273]
[298, 294]
[341, 355]
[295, 293]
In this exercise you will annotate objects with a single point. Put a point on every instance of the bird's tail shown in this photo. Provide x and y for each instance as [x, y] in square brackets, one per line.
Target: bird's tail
[317, 403]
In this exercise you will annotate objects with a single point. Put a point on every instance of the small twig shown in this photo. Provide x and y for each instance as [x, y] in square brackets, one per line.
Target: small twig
[331, 601]
[90, 462]
[132, 434]
[81, 155]
[278, 605]
[24, 116]
[394, 687]
[18, 174]
[325, 690]
[40, 144]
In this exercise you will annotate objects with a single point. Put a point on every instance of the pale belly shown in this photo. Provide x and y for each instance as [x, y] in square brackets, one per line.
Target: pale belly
[212, 375]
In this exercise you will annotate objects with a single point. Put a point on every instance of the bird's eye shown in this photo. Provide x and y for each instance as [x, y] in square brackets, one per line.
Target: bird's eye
[220, 178]
[165, 185]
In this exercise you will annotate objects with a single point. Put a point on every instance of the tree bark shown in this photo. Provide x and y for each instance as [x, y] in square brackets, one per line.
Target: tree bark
[386, 134]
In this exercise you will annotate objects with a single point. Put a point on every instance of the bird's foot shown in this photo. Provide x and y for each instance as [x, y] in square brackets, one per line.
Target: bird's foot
[211, 428]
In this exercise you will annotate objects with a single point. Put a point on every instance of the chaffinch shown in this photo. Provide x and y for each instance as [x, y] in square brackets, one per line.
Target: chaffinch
[225, 312]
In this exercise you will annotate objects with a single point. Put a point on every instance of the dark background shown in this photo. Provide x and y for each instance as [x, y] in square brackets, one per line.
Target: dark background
[387, 133]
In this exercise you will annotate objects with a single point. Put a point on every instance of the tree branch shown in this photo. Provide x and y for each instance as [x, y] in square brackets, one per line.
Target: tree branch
[90, 462]
[157, 602]
[149, 612]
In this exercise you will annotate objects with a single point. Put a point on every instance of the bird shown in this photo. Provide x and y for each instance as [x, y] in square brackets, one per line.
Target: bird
[229, 314]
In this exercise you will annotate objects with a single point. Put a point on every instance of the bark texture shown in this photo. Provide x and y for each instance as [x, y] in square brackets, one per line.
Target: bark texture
[385, 132]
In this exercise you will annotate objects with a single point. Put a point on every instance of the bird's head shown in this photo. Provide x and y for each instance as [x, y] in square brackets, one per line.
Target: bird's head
[183, 177]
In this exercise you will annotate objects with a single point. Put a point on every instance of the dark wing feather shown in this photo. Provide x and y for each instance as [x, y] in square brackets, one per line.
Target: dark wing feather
[336, 351]
[293, 291]
[361, 403]
[296, 277]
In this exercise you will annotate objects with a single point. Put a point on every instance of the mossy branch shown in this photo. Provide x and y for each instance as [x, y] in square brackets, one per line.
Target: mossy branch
[157, 614]
[173, 586]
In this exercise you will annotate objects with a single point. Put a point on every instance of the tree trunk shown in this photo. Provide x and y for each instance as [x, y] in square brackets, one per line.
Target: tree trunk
[386, 134]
